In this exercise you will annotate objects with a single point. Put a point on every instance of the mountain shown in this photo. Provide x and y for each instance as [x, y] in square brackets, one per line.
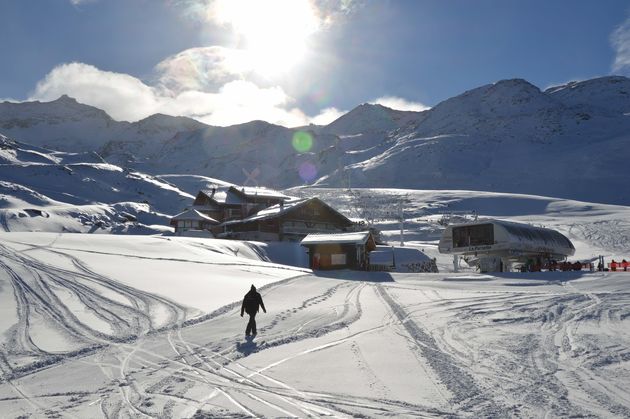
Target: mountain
[49, 190]
[67, 125]
[508, 136]
[252, 153]
[610, 94]
[367, 118]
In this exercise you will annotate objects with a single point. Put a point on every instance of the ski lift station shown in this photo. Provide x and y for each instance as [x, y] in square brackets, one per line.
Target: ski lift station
[500, 246]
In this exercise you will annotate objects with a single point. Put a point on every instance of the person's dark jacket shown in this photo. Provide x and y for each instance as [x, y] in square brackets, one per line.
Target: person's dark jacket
[251, 302]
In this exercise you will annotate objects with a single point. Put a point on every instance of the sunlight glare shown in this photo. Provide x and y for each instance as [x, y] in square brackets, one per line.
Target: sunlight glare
[274, 32]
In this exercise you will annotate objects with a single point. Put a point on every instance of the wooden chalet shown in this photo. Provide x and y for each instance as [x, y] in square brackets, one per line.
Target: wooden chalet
[339, 251]
[290, 220]
[192, 220]
[231, 202]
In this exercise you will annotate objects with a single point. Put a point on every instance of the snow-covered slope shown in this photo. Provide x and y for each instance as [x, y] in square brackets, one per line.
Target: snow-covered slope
[508, 136]
[63, 124]
[111, 326]
[192, 184]
[368, 118]
[67, 125]
[606, 93]
[253, 153]
[43, 190]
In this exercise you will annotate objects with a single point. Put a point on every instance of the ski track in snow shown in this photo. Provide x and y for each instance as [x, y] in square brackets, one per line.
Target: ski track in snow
[539, 362]
[542, 349]
[37, 288]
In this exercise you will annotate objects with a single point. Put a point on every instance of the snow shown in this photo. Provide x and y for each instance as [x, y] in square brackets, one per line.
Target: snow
[71, 292]
[193, 215]
[368, 118]
[192, 184]
[508, 136]
[130, 325]
[358, 237]
[341, 344]
[594, 229]
[606, 93]
[338, 343]
[261, 192]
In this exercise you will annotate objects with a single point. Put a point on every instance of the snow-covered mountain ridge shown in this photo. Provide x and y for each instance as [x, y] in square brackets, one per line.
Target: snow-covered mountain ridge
[508, 137]
[44, 190]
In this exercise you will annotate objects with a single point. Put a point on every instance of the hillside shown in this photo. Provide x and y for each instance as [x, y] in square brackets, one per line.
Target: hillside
[44, 190]
[508, 136]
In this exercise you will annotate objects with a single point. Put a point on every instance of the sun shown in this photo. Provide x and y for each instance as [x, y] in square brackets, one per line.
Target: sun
[274, 32]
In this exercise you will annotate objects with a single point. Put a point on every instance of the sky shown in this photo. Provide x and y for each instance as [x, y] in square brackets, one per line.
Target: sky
[294, 62]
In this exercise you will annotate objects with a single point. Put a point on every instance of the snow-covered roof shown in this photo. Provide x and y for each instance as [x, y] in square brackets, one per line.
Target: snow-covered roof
[273, 211]
[192, 214]
[260, 192]
[279, 209]
[235, 195]
[224, 195]
[359, 237]
[535, 234]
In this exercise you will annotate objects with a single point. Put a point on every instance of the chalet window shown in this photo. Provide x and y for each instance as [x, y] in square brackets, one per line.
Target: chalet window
[338, 259]
[233, 212]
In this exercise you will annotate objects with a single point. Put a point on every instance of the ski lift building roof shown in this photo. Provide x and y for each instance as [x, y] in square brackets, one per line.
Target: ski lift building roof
[505, 239]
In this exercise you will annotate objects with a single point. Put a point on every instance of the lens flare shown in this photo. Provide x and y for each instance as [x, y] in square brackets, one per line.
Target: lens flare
[302, 141]
[307, 171]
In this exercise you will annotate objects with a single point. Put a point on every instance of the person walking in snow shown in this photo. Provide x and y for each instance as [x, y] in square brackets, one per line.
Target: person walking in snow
[251, 302]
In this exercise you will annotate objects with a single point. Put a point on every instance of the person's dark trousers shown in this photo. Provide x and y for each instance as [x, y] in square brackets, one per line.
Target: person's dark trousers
[251, 326]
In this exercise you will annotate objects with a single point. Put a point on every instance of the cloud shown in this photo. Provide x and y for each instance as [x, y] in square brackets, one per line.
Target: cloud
[326, 116]
[214, 84]
[122, 96]
[399, 103]
[202, 68]
[125, 97]
[620, 40]
[201, 83]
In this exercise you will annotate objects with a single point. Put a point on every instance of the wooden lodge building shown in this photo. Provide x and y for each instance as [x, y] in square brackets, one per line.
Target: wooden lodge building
[232, 203]
[339, 251]
[248, 213]
[287, 221]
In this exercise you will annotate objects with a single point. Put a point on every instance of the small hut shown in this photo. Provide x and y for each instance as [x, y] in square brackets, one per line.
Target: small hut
[340, 250]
